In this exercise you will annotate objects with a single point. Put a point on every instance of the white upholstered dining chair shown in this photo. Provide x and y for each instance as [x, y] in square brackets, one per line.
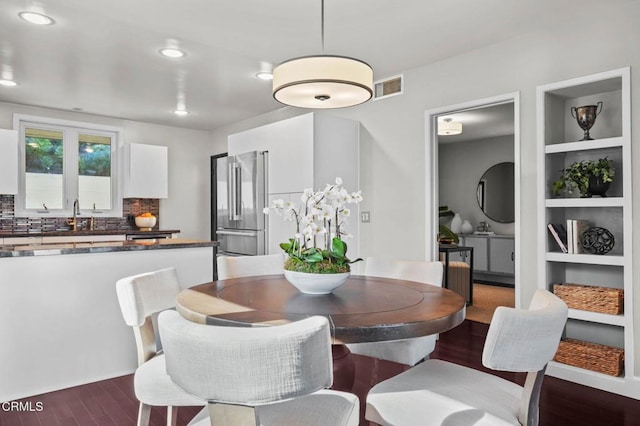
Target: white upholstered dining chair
[248, 266]
[445, 394]
[405, 351]
[257, 375]
[140, 297]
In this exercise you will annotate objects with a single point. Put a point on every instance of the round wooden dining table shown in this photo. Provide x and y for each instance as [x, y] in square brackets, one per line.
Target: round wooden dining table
[363, 309]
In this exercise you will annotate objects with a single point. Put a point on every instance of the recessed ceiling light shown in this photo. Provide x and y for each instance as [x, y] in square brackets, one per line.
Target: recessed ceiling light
[170, 52]
[8, 83]
[36, 18]
[180, 112]
[264, 75]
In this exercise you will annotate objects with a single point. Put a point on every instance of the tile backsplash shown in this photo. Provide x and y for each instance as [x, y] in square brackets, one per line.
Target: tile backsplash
[130, 207]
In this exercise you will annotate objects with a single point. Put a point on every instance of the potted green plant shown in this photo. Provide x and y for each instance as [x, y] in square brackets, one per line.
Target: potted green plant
[317, 254]
[589, 177]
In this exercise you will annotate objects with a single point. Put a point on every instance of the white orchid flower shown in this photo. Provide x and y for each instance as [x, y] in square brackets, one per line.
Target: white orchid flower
[319, 230]
[319, 212]
[356, 197]
[306, 195]
[344, 196]
[307, 230]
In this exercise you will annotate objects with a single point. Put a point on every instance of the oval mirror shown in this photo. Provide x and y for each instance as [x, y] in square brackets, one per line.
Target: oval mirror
[495, 193]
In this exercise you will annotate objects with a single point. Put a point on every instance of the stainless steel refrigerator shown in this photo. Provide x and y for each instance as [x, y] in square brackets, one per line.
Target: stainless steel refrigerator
[239, 195]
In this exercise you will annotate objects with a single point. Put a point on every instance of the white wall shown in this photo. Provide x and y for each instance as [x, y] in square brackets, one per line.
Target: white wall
[187, 207]
[460, 167]
[392, 166]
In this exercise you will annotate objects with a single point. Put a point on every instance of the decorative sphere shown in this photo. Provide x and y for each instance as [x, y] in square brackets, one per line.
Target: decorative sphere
[598, 240]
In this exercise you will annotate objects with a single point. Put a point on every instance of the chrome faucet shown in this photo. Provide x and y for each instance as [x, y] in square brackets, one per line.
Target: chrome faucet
[76, 211]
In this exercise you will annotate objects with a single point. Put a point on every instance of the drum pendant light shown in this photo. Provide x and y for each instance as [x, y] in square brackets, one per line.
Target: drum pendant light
[323, 81]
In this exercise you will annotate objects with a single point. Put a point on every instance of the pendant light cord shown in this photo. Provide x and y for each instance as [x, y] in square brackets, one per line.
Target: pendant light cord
[322, 23]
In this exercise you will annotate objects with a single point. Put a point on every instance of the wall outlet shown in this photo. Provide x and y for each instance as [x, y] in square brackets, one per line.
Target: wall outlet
[365, 217]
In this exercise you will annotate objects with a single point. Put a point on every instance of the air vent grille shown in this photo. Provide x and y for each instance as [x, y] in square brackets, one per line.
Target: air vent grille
[389, 87]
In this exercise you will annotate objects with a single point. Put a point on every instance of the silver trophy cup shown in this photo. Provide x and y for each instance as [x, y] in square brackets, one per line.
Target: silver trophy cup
[586, 116]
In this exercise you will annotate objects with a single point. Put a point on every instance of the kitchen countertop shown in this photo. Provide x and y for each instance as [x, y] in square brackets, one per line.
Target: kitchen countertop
[9, 234]
[19, 250]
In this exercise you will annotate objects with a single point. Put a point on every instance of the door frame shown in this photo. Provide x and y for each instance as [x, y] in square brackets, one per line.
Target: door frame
[432, 173]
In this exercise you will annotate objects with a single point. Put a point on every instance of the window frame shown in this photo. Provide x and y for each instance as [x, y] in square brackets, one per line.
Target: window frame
[70, 167]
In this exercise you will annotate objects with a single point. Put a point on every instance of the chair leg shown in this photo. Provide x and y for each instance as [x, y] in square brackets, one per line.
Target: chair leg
[232, 415]
[172, 415]
[144, 412]
[531, 398]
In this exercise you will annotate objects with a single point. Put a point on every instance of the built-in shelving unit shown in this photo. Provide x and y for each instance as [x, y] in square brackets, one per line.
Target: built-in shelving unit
[559, 146]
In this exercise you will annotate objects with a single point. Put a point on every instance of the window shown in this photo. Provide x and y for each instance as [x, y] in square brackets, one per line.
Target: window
[64, 161]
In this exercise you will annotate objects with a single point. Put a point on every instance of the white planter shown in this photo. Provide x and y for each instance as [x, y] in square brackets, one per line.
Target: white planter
[315, 283]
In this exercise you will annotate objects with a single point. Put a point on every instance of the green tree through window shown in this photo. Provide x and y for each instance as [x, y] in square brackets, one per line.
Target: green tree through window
[44, 155]
[94, 159]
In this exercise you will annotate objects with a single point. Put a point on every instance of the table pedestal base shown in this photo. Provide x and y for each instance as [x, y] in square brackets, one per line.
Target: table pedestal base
[343, 368]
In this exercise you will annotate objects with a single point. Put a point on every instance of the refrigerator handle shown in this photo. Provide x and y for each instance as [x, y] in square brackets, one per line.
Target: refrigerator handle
[235, 192]
[231, 202]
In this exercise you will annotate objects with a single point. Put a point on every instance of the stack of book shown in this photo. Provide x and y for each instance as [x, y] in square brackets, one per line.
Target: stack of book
[569, 238]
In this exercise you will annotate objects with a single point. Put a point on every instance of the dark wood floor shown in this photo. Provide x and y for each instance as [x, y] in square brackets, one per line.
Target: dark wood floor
[112, 402]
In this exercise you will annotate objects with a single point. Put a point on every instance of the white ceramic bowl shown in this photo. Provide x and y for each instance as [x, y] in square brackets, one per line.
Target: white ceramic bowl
[145, 223]
[315, 283]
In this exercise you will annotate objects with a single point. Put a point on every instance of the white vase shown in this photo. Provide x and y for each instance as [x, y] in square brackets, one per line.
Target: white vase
[456, 223]
[466, 227]
[315, 283]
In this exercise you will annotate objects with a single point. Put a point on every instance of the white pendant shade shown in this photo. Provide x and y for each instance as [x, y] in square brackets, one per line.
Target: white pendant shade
[323, 81]
[449, 128]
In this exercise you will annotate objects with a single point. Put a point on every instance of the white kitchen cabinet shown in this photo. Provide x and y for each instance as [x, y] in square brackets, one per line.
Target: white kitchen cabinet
[8, 161]
[147, 171]
[559, 145]
[307, 151]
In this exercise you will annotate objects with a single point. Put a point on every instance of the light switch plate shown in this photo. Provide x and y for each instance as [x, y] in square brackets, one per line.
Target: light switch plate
[365, 217]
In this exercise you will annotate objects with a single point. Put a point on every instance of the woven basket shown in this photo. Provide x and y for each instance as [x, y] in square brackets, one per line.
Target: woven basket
[591, 298]
[591, 356]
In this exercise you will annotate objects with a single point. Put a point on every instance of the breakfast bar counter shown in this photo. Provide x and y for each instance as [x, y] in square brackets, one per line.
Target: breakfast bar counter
[19, 250]
[61, 319]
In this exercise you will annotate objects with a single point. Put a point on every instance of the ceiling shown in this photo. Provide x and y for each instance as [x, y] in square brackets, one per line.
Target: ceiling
[101, 57]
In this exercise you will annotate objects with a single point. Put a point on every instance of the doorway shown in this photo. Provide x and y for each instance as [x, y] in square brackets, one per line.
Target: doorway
[474, 181]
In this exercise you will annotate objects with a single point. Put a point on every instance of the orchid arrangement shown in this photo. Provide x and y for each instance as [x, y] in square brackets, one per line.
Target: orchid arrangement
[318, 245]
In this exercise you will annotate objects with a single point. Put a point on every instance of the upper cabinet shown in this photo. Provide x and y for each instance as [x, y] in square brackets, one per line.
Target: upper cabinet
[308, 151]
[8, 161]
[582, 120]
[146, 171]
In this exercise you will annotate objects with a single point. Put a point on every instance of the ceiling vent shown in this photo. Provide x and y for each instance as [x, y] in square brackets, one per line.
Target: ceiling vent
[389, 87]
